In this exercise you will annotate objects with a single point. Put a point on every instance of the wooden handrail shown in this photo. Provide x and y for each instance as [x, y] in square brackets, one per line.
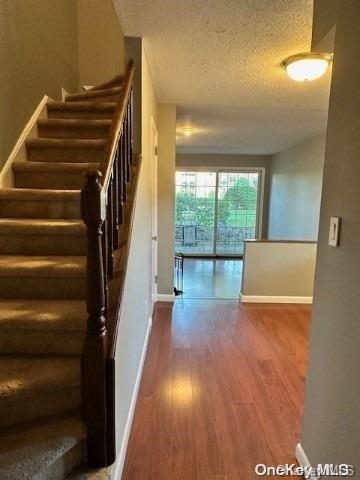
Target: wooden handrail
[110, 83]
[118, 122]
[103, 202]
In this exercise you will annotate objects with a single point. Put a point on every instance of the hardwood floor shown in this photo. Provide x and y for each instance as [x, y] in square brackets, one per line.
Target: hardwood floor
[222, 390]
[212, 278]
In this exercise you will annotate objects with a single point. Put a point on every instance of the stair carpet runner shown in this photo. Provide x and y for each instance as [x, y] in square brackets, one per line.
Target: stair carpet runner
[42, 289]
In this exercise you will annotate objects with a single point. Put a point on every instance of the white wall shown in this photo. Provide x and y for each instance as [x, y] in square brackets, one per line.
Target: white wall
[295, 191]
[278, 271]
[136, 308]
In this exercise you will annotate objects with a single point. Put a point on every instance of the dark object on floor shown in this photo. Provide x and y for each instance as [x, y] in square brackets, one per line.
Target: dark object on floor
[178, 273]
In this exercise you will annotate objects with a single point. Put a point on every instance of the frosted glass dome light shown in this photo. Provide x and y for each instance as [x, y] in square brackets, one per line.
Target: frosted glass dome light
[307, 66]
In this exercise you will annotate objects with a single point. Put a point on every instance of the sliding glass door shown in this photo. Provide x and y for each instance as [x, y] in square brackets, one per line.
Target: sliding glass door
[237, 207]
[216, 211]
[195, 212]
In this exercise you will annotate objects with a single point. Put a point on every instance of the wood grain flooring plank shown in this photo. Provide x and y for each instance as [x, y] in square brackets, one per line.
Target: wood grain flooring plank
[222, 389]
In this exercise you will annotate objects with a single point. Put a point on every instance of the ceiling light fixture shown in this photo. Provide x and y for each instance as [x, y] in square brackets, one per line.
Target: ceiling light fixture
[188, 130]
[307, 66]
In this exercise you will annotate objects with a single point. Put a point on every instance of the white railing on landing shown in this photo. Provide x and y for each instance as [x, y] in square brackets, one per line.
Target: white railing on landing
[18, 153]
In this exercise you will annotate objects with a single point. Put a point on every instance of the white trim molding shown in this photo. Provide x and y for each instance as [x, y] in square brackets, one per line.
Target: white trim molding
[274, 299]
[119, 465]
[18, 153]
[164, 297]
[302, 459]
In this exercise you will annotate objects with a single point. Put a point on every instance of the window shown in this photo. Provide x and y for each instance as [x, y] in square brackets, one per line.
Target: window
[216, 211]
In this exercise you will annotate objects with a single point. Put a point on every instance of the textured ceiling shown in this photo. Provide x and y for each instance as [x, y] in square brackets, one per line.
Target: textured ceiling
[219, 61]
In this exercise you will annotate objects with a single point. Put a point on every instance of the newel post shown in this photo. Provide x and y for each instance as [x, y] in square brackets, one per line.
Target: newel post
[93, 361]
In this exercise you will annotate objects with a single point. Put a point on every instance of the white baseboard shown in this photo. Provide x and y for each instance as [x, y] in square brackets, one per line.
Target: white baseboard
[302, 458]
[119, 464]
[164, 297]
[274, 299]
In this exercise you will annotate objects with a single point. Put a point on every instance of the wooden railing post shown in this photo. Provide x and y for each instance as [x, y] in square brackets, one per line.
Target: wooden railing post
[102, 209]
[94, 354]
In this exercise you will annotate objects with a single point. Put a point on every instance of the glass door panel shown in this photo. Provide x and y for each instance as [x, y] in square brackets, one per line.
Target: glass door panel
[195, 212]
[216, 211]
[237, 207]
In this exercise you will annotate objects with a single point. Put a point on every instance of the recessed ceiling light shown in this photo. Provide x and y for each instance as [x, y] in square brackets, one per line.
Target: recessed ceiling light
[188, 130]
[307, 66]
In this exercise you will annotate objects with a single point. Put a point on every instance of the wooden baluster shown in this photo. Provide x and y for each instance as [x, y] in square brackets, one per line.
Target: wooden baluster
[131, 105]
[104, 246]
[125, 139]
[128, 146]
[116, 202]
[124, 165]
[120, 183]
[110, 229]
[94, 354]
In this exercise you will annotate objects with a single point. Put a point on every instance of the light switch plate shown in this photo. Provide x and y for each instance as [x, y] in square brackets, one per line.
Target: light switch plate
[334, 232]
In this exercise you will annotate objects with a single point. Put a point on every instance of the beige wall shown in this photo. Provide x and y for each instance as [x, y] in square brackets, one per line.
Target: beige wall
[39, 55]
[166, 196]
[295, 191]
[325, 14]
[278, 269]
[331, 422]
[47, 45]
[133, 51]
[136, 308]
[101, 42]
[232, 161]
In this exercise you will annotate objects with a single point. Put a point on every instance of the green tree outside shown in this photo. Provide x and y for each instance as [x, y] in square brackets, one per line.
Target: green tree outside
[237, 208]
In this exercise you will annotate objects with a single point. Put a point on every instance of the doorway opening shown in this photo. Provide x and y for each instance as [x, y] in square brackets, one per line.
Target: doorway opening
[154, 218]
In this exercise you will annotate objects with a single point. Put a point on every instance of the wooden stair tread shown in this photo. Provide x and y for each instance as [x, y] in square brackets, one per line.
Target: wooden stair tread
[24, 376]
[66, 143]
[41, 195]
[53, 315]
[30, 449]
[74, 123]
[71, 106]
[89, 94]
[55, 167]
[26, 226]
[42, 265]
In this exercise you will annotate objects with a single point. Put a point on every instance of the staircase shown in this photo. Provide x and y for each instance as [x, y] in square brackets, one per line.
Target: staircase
[52, 268]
